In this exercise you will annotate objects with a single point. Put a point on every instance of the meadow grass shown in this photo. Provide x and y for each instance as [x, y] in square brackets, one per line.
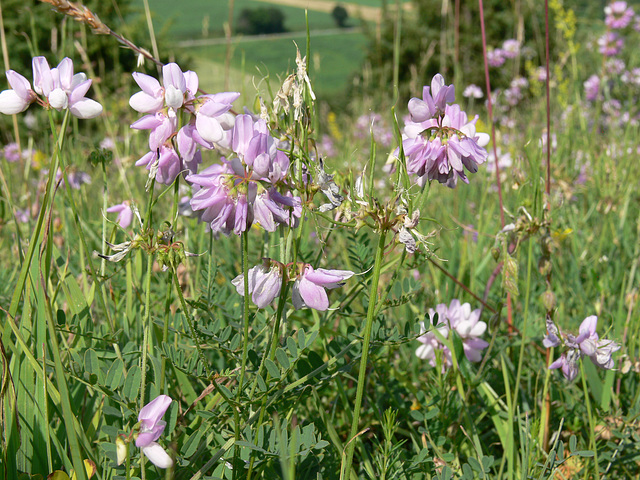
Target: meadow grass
[287, 392]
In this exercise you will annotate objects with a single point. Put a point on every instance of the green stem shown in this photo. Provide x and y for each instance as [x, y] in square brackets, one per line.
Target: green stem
[146, 324]
[592, 426]
[192, 327]
[373, 295]
[273, 342]
[244, 239]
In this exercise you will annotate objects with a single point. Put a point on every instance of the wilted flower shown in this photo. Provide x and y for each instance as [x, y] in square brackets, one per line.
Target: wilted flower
[125, 214]
[586, 343]
[151, 427]
[618, 15]
[459, 318]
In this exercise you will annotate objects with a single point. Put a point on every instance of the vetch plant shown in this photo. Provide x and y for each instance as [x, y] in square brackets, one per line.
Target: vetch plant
[60, 88]
[586, 343]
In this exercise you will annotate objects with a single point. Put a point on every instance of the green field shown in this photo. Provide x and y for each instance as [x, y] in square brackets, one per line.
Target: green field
[330, 67]
[183, 23]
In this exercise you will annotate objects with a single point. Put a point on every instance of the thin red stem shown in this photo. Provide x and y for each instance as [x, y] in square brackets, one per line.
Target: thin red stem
[546, 47]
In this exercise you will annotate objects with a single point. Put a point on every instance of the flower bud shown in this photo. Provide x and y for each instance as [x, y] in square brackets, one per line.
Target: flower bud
[548, 300]
[121, 450]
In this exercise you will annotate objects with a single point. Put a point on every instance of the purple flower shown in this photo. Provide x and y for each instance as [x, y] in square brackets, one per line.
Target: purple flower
[433, 100]
[165, 168]
[151, 427]
[440, 148]
[265, 281]
[20, 96]
[309, 288]
[63, 89]
[610, 44]
[125, 214]
[587, 343]
[592, 88]
[511, 48]
[244, 188]
[11, 152]
[459, 318]
[618, 15]
[495, 57]
[614, 66]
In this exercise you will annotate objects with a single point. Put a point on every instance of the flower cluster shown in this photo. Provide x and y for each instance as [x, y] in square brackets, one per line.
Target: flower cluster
[250, 186]
[497, 56]
[586, 343]
[440, 141]
[161, 105]
[464, 322]
[618, 15]
[59, 87]
[265, 282]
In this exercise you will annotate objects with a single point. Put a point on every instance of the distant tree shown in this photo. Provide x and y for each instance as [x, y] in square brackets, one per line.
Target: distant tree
[260, 20]
[340, 15]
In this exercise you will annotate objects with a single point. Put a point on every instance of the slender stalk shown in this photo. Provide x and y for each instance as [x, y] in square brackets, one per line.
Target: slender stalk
[146, 323]
[373, 295]
[592, 426]
[194, 333]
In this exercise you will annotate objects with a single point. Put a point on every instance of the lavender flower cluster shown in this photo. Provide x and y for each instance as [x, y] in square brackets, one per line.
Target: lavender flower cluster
[439, 141]
[586, 343]
[56, 88]
[458, 318]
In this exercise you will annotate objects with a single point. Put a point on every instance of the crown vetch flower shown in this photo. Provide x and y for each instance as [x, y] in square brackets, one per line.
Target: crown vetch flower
[20, 96]
[610, 44]
[586, 343]
[63, 89]
[265, 282]
[618, 15]
[151, 427]
[309, 288]
[439, 148]
[125, 214]
[461, 319]
[433, 101]
[243, 189]
[511, 48]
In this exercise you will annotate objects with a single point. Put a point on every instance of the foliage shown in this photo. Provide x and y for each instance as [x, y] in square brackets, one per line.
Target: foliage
[259, 21]
[430, 43]
[340, 15]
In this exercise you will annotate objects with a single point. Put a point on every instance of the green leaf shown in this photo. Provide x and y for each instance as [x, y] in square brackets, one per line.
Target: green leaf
[282, 358]
[301, 339]
[272, 368]
[191, 444]
[292, 347]
[115, 375]
[132, 384]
